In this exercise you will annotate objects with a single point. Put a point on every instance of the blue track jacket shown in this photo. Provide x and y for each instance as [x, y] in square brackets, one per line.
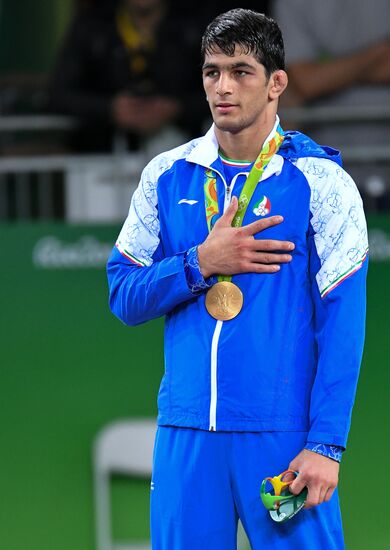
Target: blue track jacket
[290, 360]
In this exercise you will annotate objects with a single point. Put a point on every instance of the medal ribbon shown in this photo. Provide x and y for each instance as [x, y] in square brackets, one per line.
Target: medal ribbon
[268, 150]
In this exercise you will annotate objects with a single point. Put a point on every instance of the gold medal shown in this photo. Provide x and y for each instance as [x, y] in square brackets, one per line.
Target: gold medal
[224, 301]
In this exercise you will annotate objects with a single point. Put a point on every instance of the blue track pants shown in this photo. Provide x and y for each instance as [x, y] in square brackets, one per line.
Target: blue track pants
[202, 482]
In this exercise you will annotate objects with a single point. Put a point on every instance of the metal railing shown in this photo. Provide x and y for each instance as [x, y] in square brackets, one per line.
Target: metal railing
[36, 123]
[98, 187]
[80, 189]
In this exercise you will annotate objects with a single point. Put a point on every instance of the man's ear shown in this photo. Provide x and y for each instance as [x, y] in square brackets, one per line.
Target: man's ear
[277, 84]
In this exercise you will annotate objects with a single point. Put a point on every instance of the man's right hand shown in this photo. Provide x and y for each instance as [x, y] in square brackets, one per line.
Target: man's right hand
[230, 250]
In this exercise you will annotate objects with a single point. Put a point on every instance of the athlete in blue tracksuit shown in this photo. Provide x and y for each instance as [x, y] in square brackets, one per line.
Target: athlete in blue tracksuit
[246, 398]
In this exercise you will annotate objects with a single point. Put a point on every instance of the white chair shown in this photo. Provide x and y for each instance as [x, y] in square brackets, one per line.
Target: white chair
[125, 447]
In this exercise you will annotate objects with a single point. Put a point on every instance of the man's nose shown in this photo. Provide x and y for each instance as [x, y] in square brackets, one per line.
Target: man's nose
[223, 85]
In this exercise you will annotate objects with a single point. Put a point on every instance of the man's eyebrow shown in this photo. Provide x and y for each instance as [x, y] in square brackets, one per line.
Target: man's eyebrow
[237, 65]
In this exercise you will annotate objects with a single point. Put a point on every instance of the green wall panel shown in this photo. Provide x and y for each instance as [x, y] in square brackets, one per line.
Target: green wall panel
[68, 367]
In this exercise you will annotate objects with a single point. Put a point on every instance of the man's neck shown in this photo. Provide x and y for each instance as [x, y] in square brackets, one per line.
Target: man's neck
[246, 144]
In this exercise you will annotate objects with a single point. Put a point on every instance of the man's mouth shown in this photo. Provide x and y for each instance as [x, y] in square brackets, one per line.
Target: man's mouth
[225, 107]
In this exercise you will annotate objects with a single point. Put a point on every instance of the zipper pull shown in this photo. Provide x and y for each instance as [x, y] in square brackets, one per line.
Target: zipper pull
[228, 196]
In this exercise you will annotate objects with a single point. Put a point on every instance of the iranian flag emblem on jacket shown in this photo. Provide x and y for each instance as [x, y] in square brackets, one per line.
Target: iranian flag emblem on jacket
[262, 207]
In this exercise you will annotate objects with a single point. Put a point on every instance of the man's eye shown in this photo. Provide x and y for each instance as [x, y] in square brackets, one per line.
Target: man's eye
[211, 74]
[241, 73]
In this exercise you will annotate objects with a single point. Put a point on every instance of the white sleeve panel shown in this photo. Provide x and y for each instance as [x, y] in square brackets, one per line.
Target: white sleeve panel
[139, 237]
[340, 231]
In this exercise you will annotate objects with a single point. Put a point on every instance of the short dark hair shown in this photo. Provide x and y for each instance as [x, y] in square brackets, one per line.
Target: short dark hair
[256, 33]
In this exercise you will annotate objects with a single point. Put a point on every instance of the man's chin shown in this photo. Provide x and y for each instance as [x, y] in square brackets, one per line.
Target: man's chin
[228, 126]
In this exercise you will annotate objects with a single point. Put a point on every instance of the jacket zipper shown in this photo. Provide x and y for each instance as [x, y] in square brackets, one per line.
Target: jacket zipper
[218, 328]
[214, 388]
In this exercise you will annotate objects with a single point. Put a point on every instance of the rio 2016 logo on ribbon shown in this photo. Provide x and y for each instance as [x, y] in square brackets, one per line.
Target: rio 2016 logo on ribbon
[262, 207]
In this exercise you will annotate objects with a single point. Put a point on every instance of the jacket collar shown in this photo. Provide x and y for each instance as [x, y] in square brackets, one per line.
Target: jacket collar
[206, 152]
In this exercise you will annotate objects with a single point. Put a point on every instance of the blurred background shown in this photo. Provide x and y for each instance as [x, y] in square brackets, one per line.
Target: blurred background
[89, 92]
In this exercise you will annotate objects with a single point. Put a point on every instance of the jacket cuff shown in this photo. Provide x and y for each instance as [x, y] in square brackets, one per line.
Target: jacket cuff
[195, 280]
[330, 451]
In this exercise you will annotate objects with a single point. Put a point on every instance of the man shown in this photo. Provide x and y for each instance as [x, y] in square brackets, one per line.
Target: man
[350, 70]
[264, 313]
[117, 72]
